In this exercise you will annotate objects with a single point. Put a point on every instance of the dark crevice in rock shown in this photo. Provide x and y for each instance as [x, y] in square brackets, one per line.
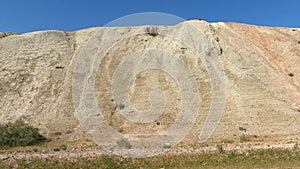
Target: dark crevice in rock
[59, 67]
[216, 38]
[6, 34]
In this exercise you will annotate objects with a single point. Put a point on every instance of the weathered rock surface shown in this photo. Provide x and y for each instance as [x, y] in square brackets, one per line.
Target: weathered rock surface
[261, 66]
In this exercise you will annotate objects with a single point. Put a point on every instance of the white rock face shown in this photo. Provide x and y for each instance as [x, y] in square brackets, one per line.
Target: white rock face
[35, 79]
[262, 96]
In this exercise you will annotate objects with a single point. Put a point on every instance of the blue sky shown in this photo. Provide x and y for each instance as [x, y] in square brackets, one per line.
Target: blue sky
[31, 15]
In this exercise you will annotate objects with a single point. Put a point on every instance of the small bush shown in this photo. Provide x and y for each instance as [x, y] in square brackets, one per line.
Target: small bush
[296, 146]
[232, 155]
[220, 148]
[244, 138]
[19, 134]
[63, 147]
[151, 31]
[227, 141]
[124, 143]
[242, 129]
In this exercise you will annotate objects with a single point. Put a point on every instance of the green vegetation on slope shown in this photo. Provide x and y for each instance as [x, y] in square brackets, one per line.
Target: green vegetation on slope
[19, 134]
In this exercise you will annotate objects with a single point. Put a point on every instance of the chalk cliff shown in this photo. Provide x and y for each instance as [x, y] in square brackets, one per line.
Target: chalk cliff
[261, 67]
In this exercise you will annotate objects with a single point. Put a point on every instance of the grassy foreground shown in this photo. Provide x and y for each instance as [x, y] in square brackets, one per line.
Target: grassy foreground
[279, 158]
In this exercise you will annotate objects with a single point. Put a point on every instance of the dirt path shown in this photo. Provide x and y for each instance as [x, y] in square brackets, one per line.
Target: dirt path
[73, 155]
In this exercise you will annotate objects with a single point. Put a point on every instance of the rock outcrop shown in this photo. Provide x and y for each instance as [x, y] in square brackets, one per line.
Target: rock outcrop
[261, 66]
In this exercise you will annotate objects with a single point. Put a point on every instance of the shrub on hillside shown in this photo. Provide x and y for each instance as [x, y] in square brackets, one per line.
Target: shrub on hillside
[244, 138]
[153, 31]
[19, 134]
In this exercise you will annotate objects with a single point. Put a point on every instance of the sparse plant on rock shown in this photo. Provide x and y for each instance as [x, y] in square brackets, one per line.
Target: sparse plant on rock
[244, 138]
[220, 148]
[296, 146]
[227, 141]
[124, 143]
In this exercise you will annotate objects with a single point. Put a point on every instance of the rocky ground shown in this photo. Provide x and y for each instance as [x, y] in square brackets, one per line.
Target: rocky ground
[73, 154]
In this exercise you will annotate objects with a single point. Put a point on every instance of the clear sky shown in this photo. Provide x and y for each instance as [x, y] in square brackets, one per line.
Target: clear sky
[31, 15]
